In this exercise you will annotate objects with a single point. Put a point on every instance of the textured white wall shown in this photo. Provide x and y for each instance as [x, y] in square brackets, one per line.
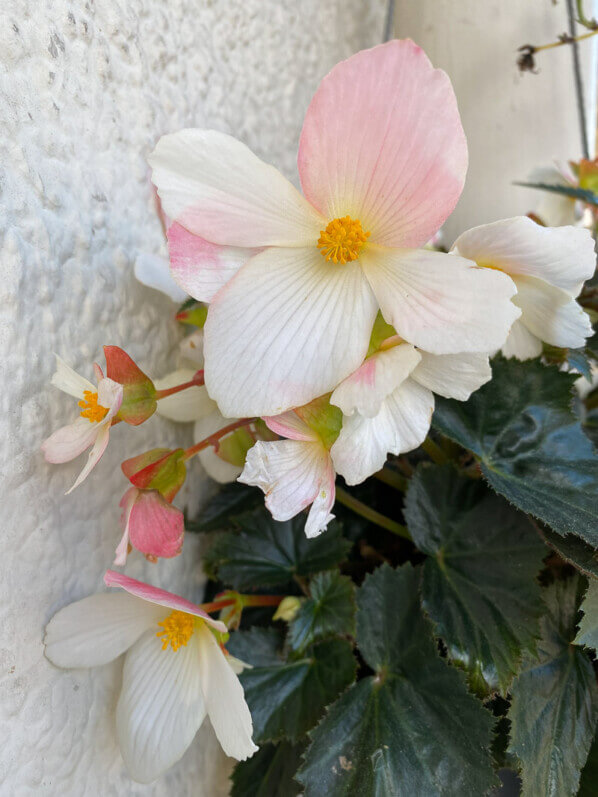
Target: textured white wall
[85, 90]
[513, 122]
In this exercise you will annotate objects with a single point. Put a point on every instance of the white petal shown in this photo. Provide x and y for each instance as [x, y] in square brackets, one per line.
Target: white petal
[563, 256]
[95, 454]
[154, 271]
[216, 467]
[290, 425]
[289, 472]
[401, 425]
[319, 515]
[551, 314]
[521, 343]
[365, 390]
[191, 349]
[218, 189]
[224, 699]
[441, 303]
[97, 629]
[288, 328]
[69, 441]
[453, 375]
[188, 405]
[69, 381]
[161, 705]
[110, 395]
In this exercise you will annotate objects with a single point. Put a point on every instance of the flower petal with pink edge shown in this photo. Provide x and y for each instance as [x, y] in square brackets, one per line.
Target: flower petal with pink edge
[453, 375]
[291, 474]
[156, 528]
[551, 314]
[365, 390]
[158, 596]
[401, 425]
[224, 699]
[215, 187]
[441, 303]
[563, 256]
[126, 504]
[161, 705]
[69, 381]
[382, 141]
[521, 343]
[154, 271]
[319, 515]
[290, 425]
[286, 329]
[97, 629]
[95, 455]
[69, 441]
[200, 267]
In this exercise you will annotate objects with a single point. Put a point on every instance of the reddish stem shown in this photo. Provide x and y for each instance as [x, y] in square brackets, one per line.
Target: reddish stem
[245, 600]
[213, 439]
[197, 381]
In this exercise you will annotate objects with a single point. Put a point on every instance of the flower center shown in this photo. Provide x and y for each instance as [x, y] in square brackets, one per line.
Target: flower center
[90, 408]
[177, 629]
[342, 240]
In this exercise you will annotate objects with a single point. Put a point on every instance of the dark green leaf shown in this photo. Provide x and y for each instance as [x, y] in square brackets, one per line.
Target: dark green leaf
[410, 730]
[565, 190]
[229, 501]
[575, 551]
[479, 583]
[259, 647]
[554, 702]
[330, 610]
[287, 697]
[589, 775]
[269, 773]
[588, 626]
[267, 553]
[531, 447]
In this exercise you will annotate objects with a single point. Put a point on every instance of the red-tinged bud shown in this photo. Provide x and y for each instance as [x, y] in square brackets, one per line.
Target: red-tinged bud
[161, 469]
[139, 393]
[193, 313]
[151, 525]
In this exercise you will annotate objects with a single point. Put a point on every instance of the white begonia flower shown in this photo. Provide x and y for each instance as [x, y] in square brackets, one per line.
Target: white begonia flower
[295, 282]
[175, 671]
[549, 266]
[293, 473]
[388, 402]
[98, 407]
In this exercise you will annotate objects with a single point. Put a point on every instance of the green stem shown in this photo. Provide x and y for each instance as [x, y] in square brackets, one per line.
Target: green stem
[393, 479]
[434, 451]
[357, 506]
[591, 24]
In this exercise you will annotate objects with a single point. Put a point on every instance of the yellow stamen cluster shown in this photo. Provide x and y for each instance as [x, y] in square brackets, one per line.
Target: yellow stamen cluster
[90, 408]
[342, 240]
[177, 629]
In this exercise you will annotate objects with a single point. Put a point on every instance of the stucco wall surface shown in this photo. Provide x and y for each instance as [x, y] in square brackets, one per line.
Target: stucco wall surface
[85, 90]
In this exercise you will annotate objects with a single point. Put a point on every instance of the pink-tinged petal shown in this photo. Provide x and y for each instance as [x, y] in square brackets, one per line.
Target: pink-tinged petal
[126, 504]
[551, 314]
[201, 267]
[160, 707]
[286, 329]
[319, 515]
[69, 381]
[453, 375]
[365, 390]
[218, 189]
[110, 394]
[562, 256]
[401, 425]
[290, 425]
[224, 699]
[159, 596]
[97, 629]
[156, 528]
[99, 374]
[521, 343]
[441, 303]
[95, 455]
[69, 441]
[154, 271]
[289, 472]
[382, 142]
